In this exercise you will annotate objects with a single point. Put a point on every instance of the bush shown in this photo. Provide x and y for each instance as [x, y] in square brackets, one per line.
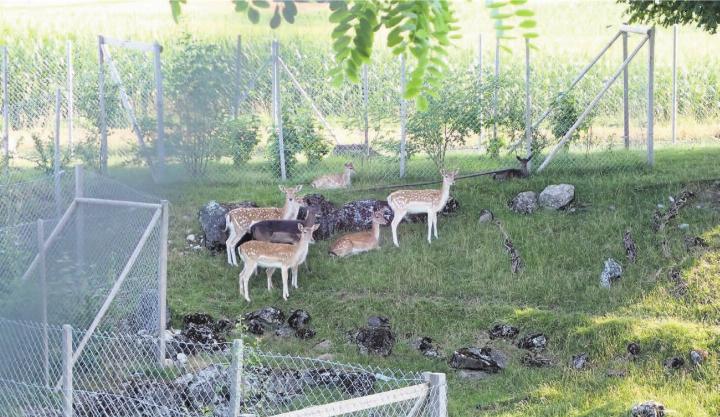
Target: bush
[44, 157]
[300, 136]
[565, 114]
[240, 136]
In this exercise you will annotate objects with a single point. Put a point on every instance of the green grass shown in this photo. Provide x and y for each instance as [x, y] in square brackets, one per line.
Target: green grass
[454, 289]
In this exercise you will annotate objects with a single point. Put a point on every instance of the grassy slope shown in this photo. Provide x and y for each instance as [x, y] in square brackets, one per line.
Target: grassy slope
[456, 288]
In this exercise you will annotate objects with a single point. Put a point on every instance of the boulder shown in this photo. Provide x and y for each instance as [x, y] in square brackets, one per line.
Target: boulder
[375, 339]
[426, 346]
[674, 363]
[698, 356]
[203, 329]
[268, 317]
[478, 359]
[535, 342]
[503, 331]
[557, 197]
[633, 348]
[323, 346]
[378, 321]
[305, 333]
[648, 409]
[486, 216]
[284, 331]
[579, 361]
[299, 319]
[212, 221]
[325, 215]
[611, 272]
[352, 383]
[535, 360]
[206, 387]
[524, 203]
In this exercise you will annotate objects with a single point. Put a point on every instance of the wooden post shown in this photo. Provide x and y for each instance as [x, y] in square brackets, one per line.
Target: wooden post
[651, 98]
[69, 95]
[236, 378]
[365, 98]
[43, 295]
[162, 280]
[528, 110]
[160, 109]
[403, 116]
[5, 109]
[56, 154]
[673, 115]
[495, 89]
[79, 219]
[626, 108]
[437, 395]
[277, 112]
[67, 371]
[480, 105]
[238, 75]
[103, 115]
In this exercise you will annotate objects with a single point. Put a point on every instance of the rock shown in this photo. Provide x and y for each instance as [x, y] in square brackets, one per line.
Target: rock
[163, 394]
[299, 319]
[203, 334]
[683, 226]
[182, 358]
[284, 331]
[661, 206]
[692, 242]
[323, 346]
[378, 321]
[328, 357]
[674, 363]
[190, 238]
[478, 359]
[426, 346]
[305, 333]
[207, 387]
[612, 272]
[633, 348]
[630, 247]
[269, 318]
[375, 340]
[535, 360]
[255, 327]
[325, 215]
[198, 318]
[579, 361]
[648, 409]
[524, 203]
[472, 375]
[616, 373]
[224, 326]
[353, 383]
[486, 216]
[535, 342]
[503, 331]
[212, 221]
[557, 197]
[698, 356]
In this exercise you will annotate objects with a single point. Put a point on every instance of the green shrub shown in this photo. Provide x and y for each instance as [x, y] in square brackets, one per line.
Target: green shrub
[240, 136]
[300, 136]
[565, 114]
[44, 154]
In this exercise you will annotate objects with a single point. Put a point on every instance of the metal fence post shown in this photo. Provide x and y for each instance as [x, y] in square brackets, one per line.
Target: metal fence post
[56, 153]
[673, 113]
[162, 280]
[238, 75]
[159, 104]
[103, 115]
[480, 105]
[67, 371]
[651, 98]
[528, 110]
[42, 268]
[626, 108]
[236, 378]
[79, 218]
[277, 112]
[5, 109]
[69, 95]
[495, 89]
[437, 394]
[403, 116]
[365, 98]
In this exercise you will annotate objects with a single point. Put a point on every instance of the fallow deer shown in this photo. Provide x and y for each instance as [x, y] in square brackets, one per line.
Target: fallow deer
[274, 255]
[239, 220]
[523, 172]
[421, 201]
[332, 181]
[358, 242]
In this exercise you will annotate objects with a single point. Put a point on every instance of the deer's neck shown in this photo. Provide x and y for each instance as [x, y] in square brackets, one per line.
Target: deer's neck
[301, 252]
[347, 177]
[444, 195]
[376, 231]
[290, 211]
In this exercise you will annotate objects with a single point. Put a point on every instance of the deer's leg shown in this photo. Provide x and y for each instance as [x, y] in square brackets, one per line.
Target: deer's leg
[295, 276]
[228, 248]
[245, 278]
[284, 272]
[395, 222]
[435, 218]
[430, 225]
[269, 273]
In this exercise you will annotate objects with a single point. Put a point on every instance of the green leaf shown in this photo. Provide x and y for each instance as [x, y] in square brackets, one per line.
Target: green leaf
[496, 4]
[290, 11]
[340, 30]
[263, 4]
[276, 19]
[505, 48]
[518, 2]
[338, 5]
[176, 9]
[339, 15]
[241, 5]
[394, 37]
[253, 15]
[528, 24]
[524, 13]
[530, 35]
[502, 28]
[421, 102]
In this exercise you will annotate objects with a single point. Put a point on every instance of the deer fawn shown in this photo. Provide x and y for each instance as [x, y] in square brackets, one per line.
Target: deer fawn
[421, 201]
[353, 243]
[239, 220]
[523, 172]
[274, 255]
[335, 180]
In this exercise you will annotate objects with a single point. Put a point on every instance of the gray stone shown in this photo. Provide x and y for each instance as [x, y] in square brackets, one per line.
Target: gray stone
[683, 226]
[212, 221]
[479, 359]
[535, 360]
[299, 319]
[698, 356]
[648, 409]
[472, 375]
[535, 342]
[675, 362]
[190, 238]
[557, 197]
[426, 346]
[323, 346]
[503, 331]
[486, 216]
[612, 272]
[524, 203]
[328, 357]
[284, 331]
[579, 361]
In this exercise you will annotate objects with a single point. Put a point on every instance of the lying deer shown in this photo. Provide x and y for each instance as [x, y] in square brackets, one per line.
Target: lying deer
[335, 180]
[239, 220]
[353, 243]
[274, 255]
[421, 201]
[523, 172]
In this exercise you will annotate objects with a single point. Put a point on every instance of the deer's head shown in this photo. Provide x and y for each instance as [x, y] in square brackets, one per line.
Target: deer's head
[449, 176]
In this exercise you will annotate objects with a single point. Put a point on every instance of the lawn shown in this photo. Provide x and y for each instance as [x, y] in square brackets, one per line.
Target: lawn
[459, 286]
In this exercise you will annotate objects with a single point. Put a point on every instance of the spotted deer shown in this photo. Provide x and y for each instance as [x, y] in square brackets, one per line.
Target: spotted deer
[335, 180]
[358, 242]
[238, 221]
[270, 255]
[403, 202]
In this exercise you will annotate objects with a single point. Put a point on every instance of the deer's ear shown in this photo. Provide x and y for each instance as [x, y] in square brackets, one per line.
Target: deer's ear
[315, 227]
[456, 172]
[300, 227]
[530, 157]
[282, 188]
[518, 158]
[298, 188]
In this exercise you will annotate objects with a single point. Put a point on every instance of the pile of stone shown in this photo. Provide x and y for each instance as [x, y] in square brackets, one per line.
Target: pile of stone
[377, 338]
[271, 320]
[554, 197]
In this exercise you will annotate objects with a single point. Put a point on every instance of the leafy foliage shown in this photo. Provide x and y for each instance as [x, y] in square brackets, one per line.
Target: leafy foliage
[566, 113]
[300, 137]
[240, 136]
[44, 156]
[704, 14]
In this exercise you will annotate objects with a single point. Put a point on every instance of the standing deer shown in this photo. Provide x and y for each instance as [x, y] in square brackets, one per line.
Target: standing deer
[353, 243]
[421, 201]
[239, 220]
[523, 172]
[274, 255]
[332, 181]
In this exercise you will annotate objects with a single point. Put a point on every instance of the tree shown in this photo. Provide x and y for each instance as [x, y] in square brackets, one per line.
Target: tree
[704, 14]
[422, 28]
